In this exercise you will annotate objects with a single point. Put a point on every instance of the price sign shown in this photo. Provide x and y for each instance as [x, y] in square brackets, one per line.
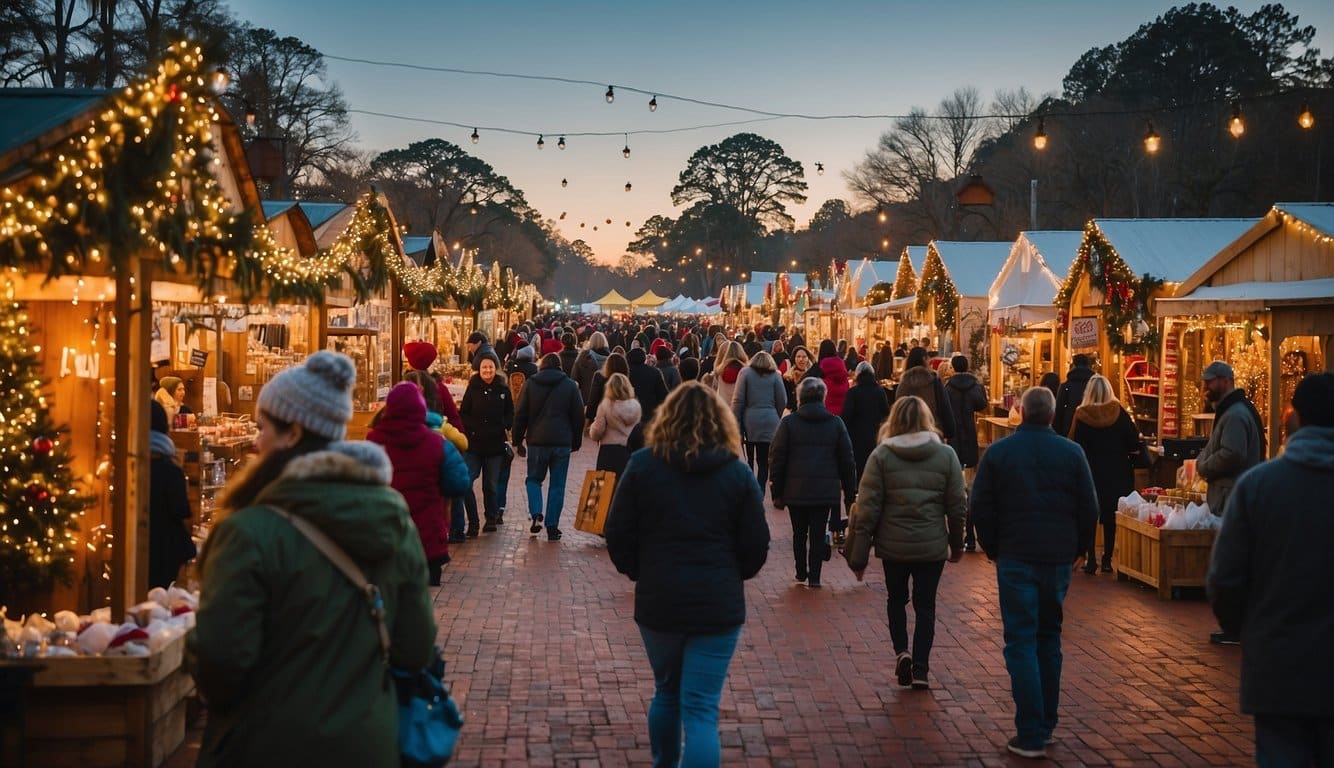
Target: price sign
[1084, 333]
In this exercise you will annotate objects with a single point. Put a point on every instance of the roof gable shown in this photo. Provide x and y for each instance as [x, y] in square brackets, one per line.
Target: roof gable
[972, 266]
[29, 115]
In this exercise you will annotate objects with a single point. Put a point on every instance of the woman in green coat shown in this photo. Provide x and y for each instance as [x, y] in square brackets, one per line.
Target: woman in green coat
[285, 652]
[911, 507]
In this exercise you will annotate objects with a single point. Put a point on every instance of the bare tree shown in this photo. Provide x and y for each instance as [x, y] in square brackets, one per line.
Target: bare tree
[43, 39]
[961, 128]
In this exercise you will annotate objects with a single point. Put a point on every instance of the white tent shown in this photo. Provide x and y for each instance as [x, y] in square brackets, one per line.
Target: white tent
[1025, 290]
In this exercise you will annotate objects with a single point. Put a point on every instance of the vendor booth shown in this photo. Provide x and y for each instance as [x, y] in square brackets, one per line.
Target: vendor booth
[614, 302]
[952, 293]
[1265, 304]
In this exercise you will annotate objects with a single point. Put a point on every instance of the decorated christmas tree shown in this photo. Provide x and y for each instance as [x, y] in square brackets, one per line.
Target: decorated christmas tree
[39, 503]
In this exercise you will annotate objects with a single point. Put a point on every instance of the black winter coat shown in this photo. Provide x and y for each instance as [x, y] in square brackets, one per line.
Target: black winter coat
[567, 357]
[967, 396]
[487, 412]
[169, 542]
[688, 532]
[550, 411]
[1068, 398]
[810, 459]
[1109, 438]
[586, 366]
[650, 389]
[864, 409]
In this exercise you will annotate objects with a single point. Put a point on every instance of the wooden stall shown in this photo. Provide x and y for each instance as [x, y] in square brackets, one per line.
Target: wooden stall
[952, 292]
[1265, 304]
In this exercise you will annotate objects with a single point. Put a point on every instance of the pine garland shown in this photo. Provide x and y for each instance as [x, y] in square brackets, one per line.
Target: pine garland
[1126, 297]
[938, 287]
[905, 280]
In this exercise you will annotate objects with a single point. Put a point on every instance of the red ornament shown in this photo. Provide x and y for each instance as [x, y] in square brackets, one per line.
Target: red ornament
[36, 492]
[43, 445]
[173, 93]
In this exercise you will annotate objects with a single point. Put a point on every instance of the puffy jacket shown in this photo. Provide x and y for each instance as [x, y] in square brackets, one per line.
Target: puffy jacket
[910, 503]
[810, 460]
[835, 375]
[1109, 438]
[920, 381]
[1269, 579]
[650, 388]
[689, 532]
[1033, 498]
[283, 648]
[550, 411]
[487, 412]
[1235, 445]
[586, 364]
[724, 381]
[966, 397]
[615, 420]
[864, 409]
[1068, 397]
[758, 402]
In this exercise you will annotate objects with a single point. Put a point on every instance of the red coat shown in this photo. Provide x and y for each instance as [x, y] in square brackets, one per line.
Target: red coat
[835, 375]
[417, 453]
[451, 410]
[551, 345]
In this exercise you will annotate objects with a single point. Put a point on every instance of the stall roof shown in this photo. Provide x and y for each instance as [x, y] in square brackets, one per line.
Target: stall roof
[414, 244]
[649, 299]
[29, 116]
[1249, 297]
[1317, 216]
[1320, 216]
[319, 213]
[1170, 249]
[916, 257]
[972, 266]
[1026, 287]
[613, 299]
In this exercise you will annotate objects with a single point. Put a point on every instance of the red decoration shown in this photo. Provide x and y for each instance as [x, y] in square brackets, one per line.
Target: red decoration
[173, 93]
[43, 445]
[36, 492]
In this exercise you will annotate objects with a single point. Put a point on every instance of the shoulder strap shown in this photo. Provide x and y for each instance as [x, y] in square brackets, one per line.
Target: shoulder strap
[346, 566]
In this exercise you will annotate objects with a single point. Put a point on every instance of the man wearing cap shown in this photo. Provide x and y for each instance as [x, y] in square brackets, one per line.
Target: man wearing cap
[1236, 444]
[1268, 584]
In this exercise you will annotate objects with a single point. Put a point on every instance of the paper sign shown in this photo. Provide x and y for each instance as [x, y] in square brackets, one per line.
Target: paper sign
[210, 396]
[1084, 333]
[198, 358]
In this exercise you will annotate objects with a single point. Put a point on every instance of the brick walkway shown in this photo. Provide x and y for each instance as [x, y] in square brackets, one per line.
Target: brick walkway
[546, 661]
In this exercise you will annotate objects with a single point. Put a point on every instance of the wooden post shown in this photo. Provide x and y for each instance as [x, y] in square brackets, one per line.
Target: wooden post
[396, 333]
[130, 452]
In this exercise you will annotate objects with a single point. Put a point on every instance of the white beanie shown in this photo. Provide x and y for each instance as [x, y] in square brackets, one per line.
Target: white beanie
[316, 394]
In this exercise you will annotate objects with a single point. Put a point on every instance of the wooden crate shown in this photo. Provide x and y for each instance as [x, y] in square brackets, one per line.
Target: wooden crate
[1164, 559]
[108, 711]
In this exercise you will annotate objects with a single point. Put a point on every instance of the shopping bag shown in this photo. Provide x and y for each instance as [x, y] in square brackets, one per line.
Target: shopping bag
[594, 501]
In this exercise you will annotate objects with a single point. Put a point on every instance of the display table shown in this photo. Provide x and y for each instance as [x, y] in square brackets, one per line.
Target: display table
[992, 428]
[1162, 558]
[93, 711]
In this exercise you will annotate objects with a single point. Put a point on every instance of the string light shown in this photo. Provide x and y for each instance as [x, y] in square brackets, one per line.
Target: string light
[541, 144]
[611, 94]
[626, 152]
[819, 169]
[1040, 138]
[1152, 141]
[880, 214]
[1236, 126]
[475, 137]
[653, 104]
[627, 189]
[219, 81]
[561, 144]
[565, 182]
[1305, 119]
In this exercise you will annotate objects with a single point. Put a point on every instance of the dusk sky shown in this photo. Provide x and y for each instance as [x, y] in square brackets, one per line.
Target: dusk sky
[807, 57]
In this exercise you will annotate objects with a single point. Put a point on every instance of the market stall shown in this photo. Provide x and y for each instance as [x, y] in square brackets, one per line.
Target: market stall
[1105, 304]
[952, 292]
[1265, 304]
[1020, 312]
[648, 301]
[613, 302]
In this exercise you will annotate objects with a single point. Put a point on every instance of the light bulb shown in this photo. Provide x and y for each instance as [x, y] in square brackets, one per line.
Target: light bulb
[626, 152]
[627, 186]
[881, 215]
[1236, 126]
[1152, 141]
[475, 210]
[475, 137]
[1040, 138]
[565, 182]
[1306, 119]
[653, 104]
[541, 144]
[611, 94]
[819, 169]
[219, 80]
[561, 144]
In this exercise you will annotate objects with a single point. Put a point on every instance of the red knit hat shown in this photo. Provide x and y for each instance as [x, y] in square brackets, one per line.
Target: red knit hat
[420, 354]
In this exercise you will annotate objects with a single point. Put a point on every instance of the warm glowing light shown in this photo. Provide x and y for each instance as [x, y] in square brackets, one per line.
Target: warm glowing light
[1152, 141]
[1236, 126]
[1040, 138]
[1305, 119]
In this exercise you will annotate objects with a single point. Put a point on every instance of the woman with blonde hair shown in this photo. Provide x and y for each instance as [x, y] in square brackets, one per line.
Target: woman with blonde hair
[1109, 439]
[727, 367]
[687, 526]
[911, 507]
[616, 417]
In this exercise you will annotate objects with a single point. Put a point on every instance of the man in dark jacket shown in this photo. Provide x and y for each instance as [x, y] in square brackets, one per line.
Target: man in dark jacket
[568, 354]
[966, 397]
[650, 389]
[1071, 393]
[1036, 511]
[670, 375]
[550, 414]
[810, 461]
[1267, 585]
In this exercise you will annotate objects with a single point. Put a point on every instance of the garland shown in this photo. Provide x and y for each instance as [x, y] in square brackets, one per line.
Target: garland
[937, 286]
[905, 280]
[1126, 311]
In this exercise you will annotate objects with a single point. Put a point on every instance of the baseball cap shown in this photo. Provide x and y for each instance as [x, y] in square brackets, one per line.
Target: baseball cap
[1217, 369]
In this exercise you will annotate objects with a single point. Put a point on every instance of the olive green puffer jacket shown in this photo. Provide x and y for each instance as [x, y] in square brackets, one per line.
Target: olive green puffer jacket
[910, 504]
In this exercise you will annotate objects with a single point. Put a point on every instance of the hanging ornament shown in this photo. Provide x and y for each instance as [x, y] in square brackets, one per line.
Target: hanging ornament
[43, 446]
[36, 492]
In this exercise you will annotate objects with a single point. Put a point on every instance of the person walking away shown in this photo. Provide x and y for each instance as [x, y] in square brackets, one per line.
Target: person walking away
[615, 363]
[169, 542]
[810, 463]
[650, 388]
[1035, 509]
[618, 415]
[568, 353]
[911, 507]
[1071, 393]
[803, 363]
[727, 368]
[864, 409]
[835, 374]
[1236, 443]
[689, 368]
[420, 355]
[550, 417]
[440, 423]
[967, 397]
[1109, 439]
[671, 375]
[687, 526]
[522, 362]
[488, 412]
[283, 649]
[589, 362]
[428, 470]
[758, 403]
[1267, 587]
[918, 380]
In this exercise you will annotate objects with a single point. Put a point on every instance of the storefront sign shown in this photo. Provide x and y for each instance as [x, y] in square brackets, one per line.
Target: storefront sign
[1084, 333]
[198, 358]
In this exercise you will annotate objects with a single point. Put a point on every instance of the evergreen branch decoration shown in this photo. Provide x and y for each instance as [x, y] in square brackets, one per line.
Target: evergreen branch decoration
[937, 287]
[1126, 301]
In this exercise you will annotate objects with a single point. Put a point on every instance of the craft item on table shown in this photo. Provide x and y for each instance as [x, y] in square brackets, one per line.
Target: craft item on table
[67, 621]
[94, 638]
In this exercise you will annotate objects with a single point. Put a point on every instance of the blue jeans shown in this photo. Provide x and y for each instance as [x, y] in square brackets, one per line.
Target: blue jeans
[688, 676]
[1031, 595]
[457, 522]
[542, 458]
[503, 482]
[488, 467]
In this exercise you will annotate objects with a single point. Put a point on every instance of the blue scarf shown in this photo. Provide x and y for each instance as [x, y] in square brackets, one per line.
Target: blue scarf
[158, 442]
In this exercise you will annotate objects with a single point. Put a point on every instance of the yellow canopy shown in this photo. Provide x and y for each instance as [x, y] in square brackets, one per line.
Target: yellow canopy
[649, 299]
[612, 299]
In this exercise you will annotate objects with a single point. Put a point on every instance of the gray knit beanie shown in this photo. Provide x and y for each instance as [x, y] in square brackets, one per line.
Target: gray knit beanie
[316, 394]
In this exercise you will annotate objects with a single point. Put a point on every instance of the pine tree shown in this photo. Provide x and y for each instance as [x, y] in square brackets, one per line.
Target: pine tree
[39, 504]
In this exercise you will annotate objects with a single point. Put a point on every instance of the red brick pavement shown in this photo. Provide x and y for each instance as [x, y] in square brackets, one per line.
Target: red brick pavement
[548, 666]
